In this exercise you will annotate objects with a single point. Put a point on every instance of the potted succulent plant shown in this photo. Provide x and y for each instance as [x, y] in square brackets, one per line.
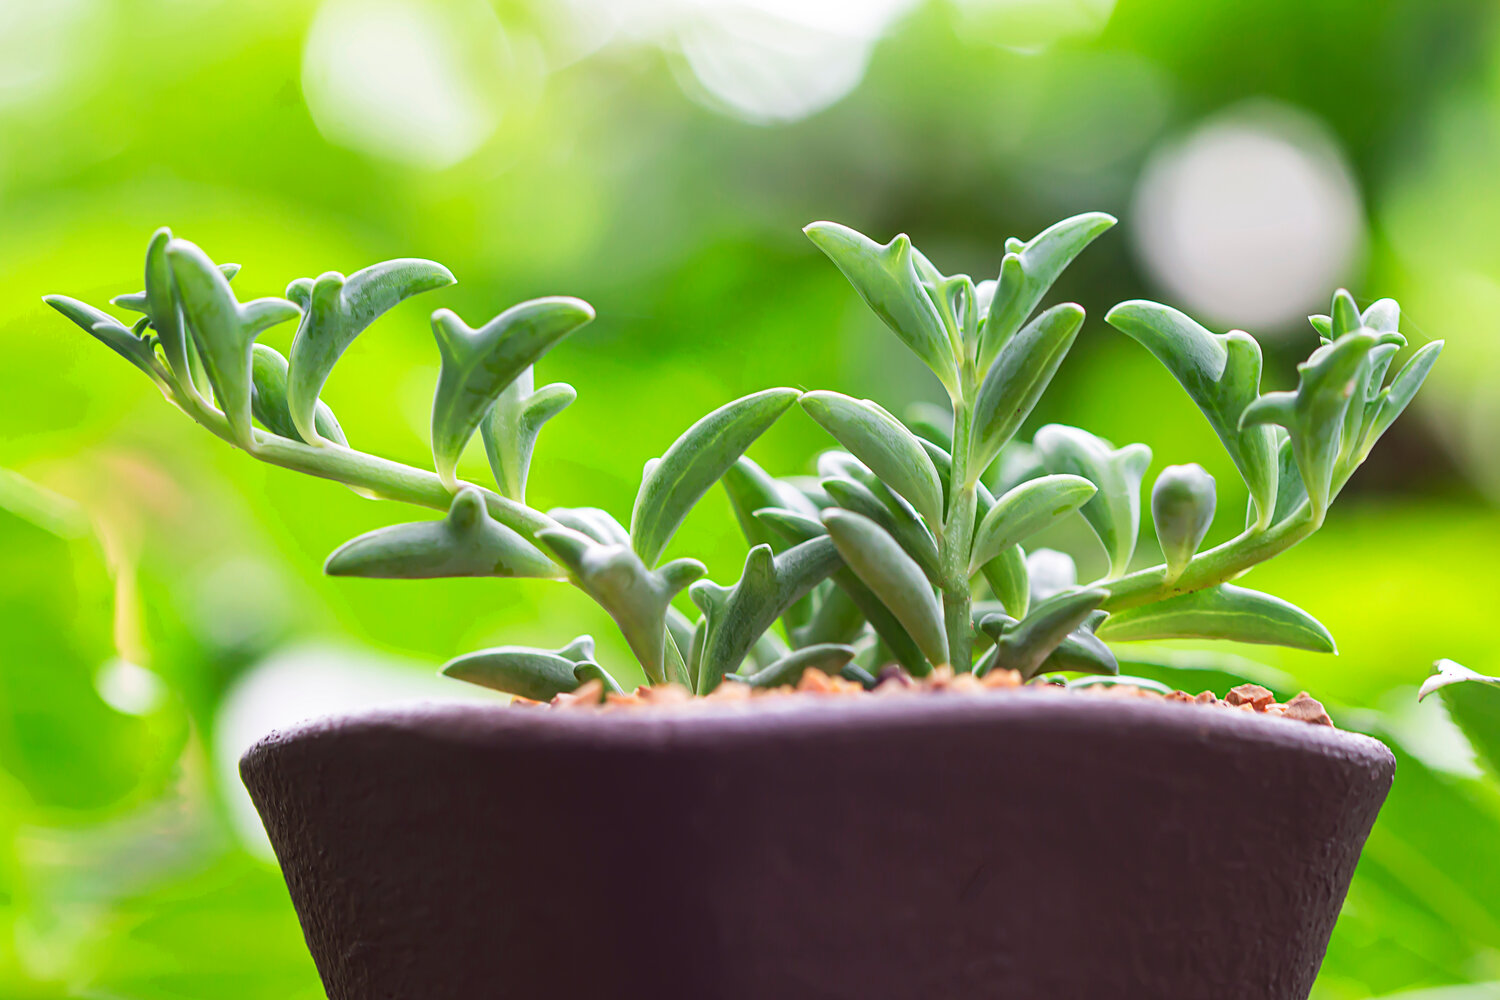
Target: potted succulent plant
[872, 766]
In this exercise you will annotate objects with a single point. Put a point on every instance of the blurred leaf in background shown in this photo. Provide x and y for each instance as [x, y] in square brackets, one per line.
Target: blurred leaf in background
[659, 158]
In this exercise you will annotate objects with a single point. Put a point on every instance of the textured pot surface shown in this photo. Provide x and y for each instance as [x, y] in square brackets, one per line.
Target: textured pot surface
[1023, 844]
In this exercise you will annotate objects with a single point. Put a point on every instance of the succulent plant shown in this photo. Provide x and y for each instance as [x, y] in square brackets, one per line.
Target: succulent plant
[906, 549]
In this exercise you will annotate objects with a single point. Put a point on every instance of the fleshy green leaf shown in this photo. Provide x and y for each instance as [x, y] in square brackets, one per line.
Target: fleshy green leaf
[1473, 701]
[268, 399]
[1028, 271]
[511, 427]
[337, 310]
[600, 525]
[886, 278]
[479, 364]
[536, 674]
[223, 329]
[737, 616]
[1024, 511]
[893, 453]
[1028, 645]
[1008, 577]
[886, 625]
[1115, 511]
[1314, 414]
[635, 596]
[109, 331]
[894, 577]
[900, 521]
[750, 489]
[468, 542]
[1222, 612]
[1395, 398]
[159, 301]
[694, 462]
[1182, 508]
[1221, 372]
[1017, 380]
[830, 658]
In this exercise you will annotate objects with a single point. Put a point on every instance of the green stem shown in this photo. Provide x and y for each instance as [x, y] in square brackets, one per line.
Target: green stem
[1215, 566]
[957, 542]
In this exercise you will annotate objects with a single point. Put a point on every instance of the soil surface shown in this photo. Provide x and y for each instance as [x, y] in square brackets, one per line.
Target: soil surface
[895, 682]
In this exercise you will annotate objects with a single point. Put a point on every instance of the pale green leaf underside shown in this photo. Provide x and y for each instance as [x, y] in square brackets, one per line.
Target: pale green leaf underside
[1222, 612]
[880, 441]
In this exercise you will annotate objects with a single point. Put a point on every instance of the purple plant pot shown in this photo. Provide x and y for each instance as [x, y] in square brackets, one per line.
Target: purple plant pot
[1020, 844]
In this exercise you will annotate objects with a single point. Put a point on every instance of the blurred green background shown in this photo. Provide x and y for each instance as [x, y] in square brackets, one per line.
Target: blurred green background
[160, 595]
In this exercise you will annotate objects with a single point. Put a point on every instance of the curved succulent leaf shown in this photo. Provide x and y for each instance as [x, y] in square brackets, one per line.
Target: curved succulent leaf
[159, 301]
[1314, 414]
[751, 489]
[337, 310]
[1024, 511]
[830, 658]
[1009, 578]
[1028, 271]
[512, 425]
[111, 332]
[880, 441]
[1035, 643]
[1221, 372]
[268, 399]
[737, 616]
[535, 674]
[894, 577]
[1182, 508]
[479, 364]
[1115, 511]
[886, 625]
[899, 520]
[1473, 700]
[1017, 380]
[223, 329]
[600, 525]
[636, 596]
[468, 542]
[694, 462]
[1222, 612]
[1389, 403]
[886, 278]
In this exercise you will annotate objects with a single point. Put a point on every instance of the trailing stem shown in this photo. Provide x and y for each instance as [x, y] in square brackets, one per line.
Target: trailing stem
[957, 541]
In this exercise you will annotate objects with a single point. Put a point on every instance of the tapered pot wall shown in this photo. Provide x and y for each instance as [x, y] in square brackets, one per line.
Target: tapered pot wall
[1021, 844]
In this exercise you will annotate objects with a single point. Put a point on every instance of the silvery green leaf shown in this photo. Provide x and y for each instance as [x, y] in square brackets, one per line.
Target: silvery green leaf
[159, 301]
[1024, 511]
[1221, 372]
[674, 661]
[598, 524]
[223, 329]
[479, 364]
[468, 542]
[511, 427]
[1017, 380]
[886, 278]
[1028, 271]
[1290, 493]
[1050, 572]
[337, 310]
[1182, 508]
[109, 331]
[1080, 651]
[1344, 317]
[1323, 325]
[694, 462]
[1314, 414]
[1221, 612]
[737, 616]
[1395, 398]
[884, 445]
[1115, 511]
[535, 674]
[954, 298]
[899, 521]
[750, 489]
[1008, 577]
[886, 625]
[636, 596]
[894, 577]
[1027, 645]
[835, 618]
[268, 399]
[1473, 700]
[931, 423]
[830, 658]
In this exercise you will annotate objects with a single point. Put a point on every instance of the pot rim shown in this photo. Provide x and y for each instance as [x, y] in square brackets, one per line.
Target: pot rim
[728, 723]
